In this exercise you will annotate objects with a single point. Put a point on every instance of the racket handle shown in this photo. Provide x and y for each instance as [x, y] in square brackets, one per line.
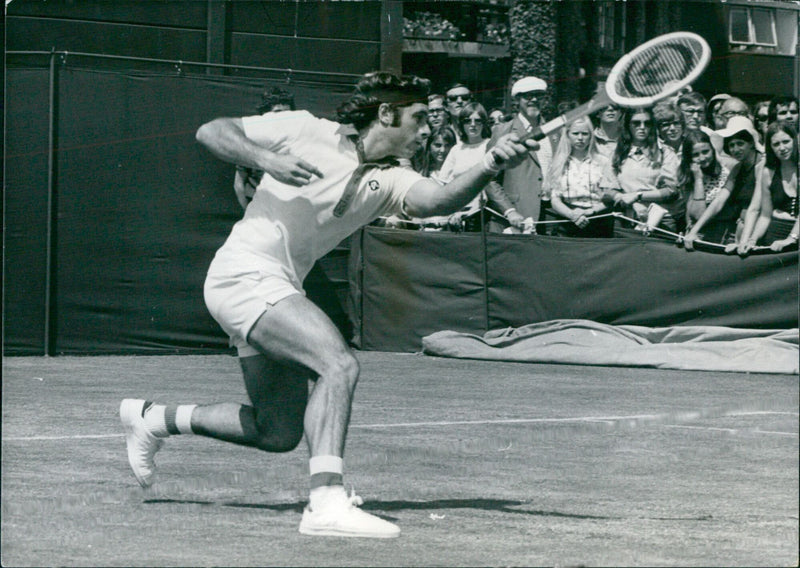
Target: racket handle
[535, 134]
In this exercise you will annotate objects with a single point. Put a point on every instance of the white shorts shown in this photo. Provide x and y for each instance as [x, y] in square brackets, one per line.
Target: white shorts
[236, 301]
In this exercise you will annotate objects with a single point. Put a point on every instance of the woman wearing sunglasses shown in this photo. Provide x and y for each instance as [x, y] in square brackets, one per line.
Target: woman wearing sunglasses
[642, 176]
[474, 131]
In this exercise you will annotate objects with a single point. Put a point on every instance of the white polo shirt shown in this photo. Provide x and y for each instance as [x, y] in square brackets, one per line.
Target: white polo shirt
[285, 229]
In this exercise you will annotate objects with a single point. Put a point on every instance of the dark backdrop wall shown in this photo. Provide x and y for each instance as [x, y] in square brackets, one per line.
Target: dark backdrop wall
[139, 209]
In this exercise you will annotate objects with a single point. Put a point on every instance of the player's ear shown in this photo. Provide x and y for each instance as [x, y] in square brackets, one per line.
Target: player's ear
[387, 115]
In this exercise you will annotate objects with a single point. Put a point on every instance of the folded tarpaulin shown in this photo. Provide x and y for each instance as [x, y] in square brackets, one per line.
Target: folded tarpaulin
[584, 342]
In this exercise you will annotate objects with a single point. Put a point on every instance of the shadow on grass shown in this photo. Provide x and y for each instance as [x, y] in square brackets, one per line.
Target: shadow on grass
[501, 505]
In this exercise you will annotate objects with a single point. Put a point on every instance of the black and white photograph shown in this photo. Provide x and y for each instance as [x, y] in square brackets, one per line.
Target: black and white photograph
[400, 283]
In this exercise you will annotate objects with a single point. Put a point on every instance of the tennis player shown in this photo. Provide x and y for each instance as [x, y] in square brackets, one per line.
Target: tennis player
[323, 181]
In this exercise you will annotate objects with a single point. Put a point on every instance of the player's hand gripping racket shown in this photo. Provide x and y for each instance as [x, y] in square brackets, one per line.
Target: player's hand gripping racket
[653, 71]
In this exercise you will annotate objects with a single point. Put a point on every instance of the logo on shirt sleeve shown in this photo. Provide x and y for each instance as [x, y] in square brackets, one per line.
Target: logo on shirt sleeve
[374, 185]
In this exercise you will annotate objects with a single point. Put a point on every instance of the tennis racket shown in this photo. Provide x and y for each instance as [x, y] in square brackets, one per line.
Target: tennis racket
[651, 72]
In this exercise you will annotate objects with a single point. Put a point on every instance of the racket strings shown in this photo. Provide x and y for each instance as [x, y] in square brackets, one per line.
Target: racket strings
[652, 70]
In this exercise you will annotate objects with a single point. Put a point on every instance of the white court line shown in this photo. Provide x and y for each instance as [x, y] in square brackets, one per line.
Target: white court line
[577, 420]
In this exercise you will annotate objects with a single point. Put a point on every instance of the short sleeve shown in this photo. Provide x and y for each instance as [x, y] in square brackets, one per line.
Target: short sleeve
[276, 130]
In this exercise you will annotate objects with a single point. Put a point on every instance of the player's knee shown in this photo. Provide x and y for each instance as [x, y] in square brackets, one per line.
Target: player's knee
[343, 372]
[282, 438]
[285, 441]
[280, 429]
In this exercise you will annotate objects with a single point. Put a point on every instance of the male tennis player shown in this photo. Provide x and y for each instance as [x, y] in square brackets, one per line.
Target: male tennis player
[324, 180]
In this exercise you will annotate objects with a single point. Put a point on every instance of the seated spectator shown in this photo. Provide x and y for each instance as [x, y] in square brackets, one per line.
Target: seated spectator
[607, 132]
[669, 125]
[276, 99]
[643, 172]
[723, 218]
[474, 132]
[701, 176]
[777, 223]
[714, 118]
[784, 109]
[246, 180]
[574, 183]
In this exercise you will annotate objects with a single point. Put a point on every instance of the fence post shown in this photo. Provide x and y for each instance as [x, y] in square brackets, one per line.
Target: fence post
[52, 211]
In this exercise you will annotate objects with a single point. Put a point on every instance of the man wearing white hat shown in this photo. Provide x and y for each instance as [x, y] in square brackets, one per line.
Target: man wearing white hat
[517, 192]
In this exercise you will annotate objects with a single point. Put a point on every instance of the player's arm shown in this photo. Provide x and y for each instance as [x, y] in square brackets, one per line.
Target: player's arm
[426, 198]
[226, 139]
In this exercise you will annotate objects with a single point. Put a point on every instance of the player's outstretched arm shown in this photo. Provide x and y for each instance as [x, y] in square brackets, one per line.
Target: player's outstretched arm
[226, 139]
[426, 198]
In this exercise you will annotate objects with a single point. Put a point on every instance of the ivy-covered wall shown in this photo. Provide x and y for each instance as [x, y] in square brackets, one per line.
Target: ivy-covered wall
[533, 41]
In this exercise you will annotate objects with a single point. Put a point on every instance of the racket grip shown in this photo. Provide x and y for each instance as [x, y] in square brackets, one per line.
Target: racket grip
[535, 134]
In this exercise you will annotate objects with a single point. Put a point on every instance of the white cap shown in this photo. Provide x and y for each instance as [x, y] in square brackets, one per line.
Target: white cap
[737, 124]
[527, 84]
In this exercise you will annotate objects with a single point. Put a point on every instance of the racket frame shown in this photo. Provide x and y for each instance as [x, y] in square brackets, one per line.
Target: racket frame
[604, 98]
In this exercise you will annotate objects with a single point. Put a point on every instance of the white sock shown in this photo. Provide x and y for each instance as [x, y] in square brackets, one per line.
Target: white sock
[163, 421]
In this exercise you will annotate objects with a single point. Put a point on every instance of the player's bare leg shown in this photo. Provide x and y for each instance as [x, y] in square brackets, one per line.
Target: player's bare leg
[298, 330]
[298, 341]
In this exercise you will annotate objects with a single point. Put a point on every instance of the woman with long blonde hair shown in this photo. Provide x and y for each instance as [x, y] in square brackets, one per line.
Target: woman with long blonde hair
[573, 181]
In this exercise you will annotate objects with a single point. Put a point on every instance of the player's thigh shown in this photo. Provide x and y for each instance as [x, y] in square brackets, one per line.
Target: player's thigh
[296, 330]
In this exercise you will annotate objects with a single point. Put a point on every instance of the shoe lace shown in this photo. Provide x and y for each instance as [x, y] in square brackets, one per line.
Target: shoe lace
[354, 499]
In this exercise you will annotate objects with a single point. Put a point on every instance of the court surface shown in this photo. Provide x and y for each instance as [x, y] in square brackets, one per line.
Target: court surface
[480, 463]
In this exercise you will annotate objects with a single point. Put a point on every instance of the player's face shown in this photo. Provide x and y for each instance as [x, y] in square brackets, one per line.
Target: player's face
[579, 136]
[787, 114]
[782, 144]
[703, 154]
[413, 130]
[640, 127]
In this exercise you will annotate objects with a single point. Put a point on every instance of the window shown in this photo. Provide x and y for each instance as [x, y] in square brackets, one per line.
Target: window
[752, 26]
[610, 25]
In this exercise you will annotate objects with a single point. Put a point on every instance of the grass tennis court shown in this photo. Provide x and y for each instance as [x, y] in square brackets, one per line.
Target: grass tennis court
[480, 463]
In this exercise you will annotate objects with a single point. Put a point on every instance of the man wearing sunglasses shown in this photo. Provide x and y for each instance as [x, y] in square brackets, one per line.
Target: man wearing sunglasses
[457, 96]
[517, 192]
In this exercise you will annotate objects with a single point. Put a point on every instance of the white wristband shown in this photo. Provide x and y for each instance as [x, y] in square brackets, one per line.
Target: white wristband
[509, 212]
[490, 164]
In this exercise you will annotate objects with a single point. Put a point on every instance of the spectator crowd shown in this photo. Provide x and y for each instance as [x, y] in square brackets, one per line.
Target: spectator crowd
[715, 171]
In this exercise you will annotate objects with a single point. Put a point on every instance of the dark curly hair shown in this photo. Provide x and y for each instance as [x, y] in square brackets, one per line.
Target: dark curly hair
[379, 87]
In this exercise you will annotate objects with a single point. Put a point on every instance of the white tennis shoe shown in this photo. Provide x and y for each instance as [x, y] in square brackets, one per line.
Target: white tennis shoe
[338, 515]
[142, 445]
